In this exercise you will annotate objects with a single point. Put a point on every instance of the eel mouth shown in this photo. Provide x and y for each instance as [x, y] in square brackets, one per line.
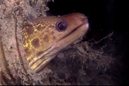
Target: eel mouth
[45, 57]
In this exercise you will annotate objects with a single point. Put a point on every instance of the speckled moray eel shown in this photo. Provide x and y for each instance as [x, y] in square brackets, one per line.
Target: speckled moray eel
[45, 37]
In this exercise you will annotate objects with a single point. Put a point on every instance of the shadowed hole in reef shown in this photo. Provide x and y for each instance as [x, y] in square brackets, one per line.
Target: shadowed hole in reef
[105, 16]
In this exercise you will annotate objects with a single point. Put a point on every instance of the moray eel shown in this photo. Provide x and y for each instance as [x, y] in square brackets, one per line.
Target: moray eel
[42, 39]
[46, 36]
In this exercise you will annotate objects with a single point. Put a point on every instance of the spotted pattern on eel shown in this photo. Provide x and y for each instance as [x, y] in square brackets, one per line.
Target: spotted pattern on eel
[46, 36]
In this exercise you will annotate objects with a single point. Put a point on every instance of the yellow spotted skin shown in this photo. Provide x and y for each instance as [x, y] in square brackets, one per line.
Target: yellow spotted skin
[42, 40]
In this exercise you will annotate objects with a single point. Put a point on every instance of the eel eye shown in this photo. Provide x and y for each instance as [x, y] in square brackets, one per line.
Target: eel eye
[61, 25]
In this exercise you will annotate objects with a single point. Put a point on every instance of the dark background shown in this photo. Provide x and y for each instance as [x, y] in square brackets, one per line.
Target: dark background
[105, 16]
